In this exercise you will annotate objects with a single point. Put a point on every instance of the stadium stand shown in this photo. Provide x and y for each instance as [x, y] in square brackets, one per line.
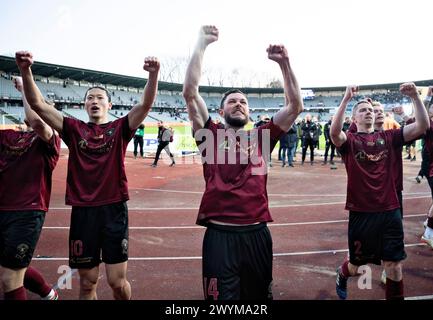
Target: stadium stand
[66, 87]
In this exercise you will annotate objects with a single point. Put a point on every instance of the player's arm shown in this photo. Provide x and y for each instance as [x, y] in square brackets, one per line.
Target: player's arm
[140, 110]
[428, 100]
[421, 124]
[400, 112]
[285, 117]
[46, 111]
[196, 106]
[37, 124]
[338, 137]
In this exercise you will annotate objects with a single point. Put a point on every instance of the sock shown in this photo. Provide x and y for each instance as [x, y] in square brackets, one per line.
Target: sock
[430, 223]
[51, 296]
[344, 269]
[34, 282]
[428, 232]
[394, 290]
[17, 294]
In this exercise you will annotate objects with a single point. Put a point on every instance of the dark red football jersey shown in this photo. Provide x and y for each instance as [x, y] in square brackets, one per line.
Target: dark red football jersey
[96, 169]
[370, 160]
[236, 182]
[26, 166]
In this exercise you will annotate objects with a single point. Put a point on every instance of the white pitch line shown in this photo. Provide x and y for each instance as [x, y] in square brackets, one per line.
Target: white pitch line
[300, 253]
[330, 251]
[288, 224]
[271, 206]
[168, 190]
[428, 297]
[269, 194]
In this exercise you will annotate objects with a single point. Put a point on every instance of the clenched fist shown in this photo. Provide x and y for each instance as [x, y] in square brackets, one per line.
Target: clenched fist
[278, 53]
[208, 34]
[409, 89]
[351, 91]
[18, 83]
[24, 59]
[151, 64]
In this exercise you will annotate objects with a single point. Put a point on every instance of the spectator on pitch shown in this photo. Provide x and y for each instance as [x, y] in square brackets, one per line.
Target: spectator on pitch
[138, 140]
[425, 161]
[284, 145]
[309, 138]
[329, 144]
[293, 141]
[165, 136]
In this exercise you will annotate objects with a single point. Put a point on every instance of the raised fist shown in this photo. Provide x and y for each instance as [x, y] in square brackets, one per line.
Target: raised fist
[18, 83]
[151, 64]
[208, 34]
[24, 59]
[430, 91]
[398, 110]
[278, 53]
[351, 91]
[409, 89]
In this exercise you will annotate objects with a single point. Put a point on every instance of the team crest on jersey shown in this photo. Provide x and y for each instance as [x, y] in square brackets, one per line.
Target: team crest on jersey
[380, 142]
[109, 132]
[360, 156]
[82, 144]
[124, 245]
[22, 250]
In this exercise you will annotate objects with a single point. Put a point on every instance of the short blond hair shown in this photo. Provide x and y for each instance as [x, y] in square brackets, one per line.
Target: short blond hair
[355, 107]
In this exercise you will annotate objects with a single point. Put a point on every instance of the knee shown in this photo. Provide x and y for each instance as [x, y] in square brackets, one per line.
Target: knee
[393, 270]
[6, 279]
[117, 284]
[392, 265]
[12, 279]
[88, 283]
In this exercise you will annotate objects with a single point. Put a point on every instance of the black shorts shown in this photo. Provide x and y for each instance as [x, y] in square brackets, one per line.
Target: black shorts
[19, 234]
[237, 262]
[430, 183]
[400, 200]
[376, 236]
[98, 232]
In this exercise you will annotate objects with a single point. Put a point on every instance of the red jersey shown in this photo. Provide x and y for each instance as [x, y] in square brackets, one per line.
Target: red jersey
[26, 166]
[236, 192]
[398, 162]
[398, 167]
[370, 160]
[96, 169]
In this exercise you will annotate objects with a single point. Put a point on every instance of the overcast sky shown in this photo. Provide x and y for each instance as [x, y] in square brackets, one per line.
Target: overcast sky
[330, 43]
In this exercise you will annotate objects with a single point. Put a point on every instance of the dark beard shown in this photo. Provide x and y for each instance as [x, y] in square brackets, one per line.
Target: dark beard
[235, 122]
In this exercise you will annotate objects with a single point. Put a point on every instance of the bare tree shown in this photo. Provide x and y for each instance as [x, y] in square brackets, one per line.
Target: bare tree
[275, 83]
[173, 69]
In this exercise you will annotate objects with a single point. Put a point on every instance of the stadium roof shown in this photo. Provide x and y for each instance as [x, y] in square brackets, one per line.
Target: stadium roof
[8, 64]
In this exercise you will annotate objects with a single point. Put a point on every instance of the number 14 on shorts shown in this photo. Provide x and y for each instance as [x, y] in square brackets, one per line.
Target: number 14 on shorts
[210, 288]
